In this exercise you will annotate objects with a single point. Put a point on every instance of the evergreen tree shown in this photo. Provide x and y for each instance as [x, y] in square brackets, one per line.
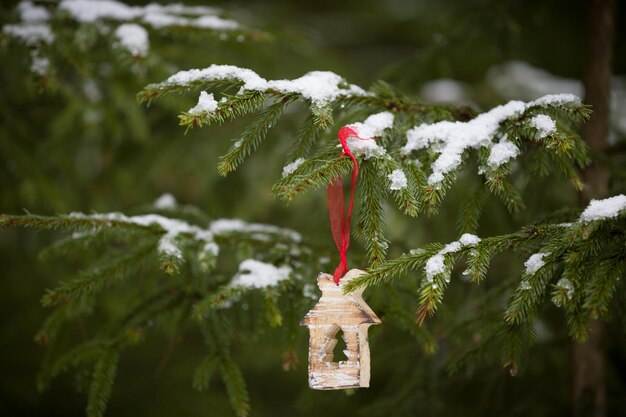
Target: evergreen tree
[175, 272]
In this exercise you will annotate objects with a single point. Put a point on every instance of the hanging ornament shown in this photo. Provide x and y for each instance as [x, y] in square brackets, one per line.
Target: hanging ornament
[333, 312]
[336, 311]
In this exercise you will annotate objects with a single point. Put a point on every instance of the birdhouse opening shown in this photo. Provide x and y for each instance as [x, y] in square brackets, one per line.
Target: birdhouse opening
[335, 346]
[339, 354]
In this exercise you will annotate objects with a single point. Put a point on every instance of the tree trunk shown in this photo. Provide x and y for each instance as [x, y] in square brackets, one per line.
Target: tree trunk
[588, 368]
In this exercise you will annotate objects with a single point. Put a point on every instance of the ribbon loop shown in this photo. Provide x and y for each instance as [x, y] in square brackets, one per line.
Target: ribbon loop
[339, 219]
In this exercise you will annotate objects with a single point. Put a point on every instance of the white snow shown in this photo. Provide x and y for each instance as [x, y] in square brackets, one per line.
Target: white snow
[251, 80]
[535, 262]
[468, 239]
[155, 15]
[525, 285]
[368, 148]
[567, 285]
[222, 226]
[92, 91]
[206, 104]
[544, 124]
[257, 274]
[310, 291]
[159, 20]
[604, 209]
[398, 180]
[92, 10]
[173, 228]
[445, 90]
[166, 201]
[133, 38]
[211, 248]
[39, 64]
[34, 29]
[213, 22]
[435, 265]
[320, 87]
[31, 34]
[31, 13]
[501, 152]
[291, 167]
[182, 9]
[451, 139]
[373, 126]
[554, 99]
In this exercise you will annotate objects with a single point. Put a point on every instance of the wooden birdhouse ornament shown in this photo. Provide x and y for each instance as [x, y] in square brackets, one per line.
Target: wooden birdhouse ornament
[333, 312]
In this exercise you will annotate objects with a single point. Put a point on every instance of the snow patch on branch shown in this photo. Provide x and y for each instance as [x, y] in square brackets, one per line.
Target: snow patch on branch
[604, 209]
[372, 127]
[501, 152]
[166, 201]
[291, 167]
[257, 274]
[544, 124]
[223, 226]
[320, 87]
[32, 34]
[554, 100]
[174, 228]
[398, 180]
[133, 38]
[206, 103]
[155, 15]
[29, 12]
[436, 265]
[535, 262]
[451, 139]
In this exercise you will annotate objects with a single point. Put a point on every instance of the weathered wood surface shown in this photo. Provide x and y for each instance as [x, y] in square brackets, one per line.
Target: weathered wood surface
[335, 311]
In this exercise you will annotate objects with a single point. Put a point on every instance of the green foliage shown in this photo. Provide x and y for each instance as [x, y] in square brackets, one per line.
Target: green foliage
[203, 373]
[252, 137]
[588, 257]
[235, 386]
[102, 383]
[140, 282]
[201, 289]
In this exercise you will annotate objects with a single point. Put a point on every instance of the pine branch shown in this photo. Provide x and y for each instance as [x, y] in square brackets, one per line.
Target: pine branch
[601, 287]
[102, 383]
[272, 311]
[252, 137]
[371, 223]
[405, 196]
[319, 171]
[467, 221]
[393, 268]
[99, 276]
[503, 189]
[204, 372]
[529, 295]
[235, 386]
[78, 355]
[73, 223]
[222, 297]
[306, 138]
[234, 107]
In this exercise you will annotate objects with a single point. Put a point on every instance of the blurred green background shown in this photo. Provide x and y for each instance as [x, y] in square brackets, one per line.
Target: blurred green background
[81, 143]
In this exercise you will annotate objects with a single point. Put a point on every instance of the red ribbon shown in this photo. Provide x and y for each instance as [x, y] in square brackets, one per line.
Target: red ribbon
[339, 220]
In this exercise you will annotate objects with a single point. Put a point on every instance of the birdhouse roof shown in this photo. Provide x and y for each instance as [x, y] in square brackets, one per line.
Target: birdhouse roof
[335, 307]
